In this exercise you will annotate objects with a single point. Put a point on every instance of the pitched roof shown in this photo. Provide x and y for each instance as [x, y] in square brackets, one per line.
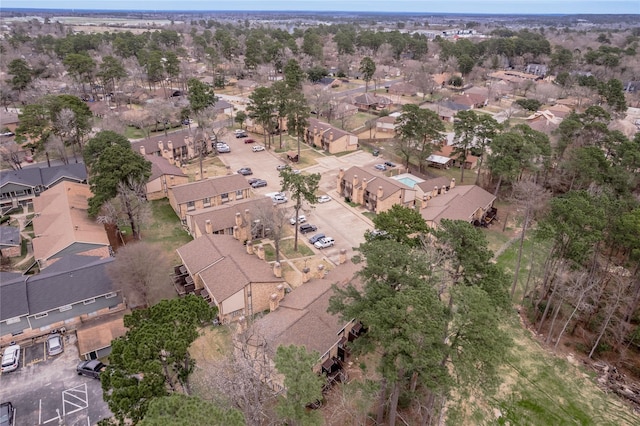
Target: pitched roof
[51, 290]
[428, 185]
[460, 203]
[9, 236]
[45, 176]
[327, 128]
[224, 216]
[389, 186]
[371, 99]
[209, 188]
[151, 144]
[61, 220]
[13, 295]
[224, 265]
[160, 166]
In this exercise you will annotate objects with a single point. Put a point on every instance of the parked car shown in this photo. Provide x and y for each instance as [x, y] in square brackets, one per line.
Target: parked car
[6, 414]
[324, 243]
[11, 358]
[54, 344]
[316, 238]
[389, 164]
[324, 199]
[240, 134]
[307, 227]
[301, 219]
[252, 180]
[380, 167]
[259, 183]
[249, 140]
[257, 148]
[282, 167]
[245, 171]
[376, 152]
[221, 148]
[279, 199]
[91, 368]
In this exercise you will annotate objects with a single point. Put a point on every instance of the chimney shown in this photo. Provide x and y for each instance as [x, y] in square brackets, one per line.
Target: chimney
[238, 219]
[277, 270]
[273, 302]
[331, 136]
[339, 181]
[236, 232]
[260, 252]
[249, 247]
[143, 151]
[170, 146]
[380, 193]
[364, 184]
[321, 271]
[208, 228]
[434, 193]
[343, 256]
[453, 183]
[280, 289]
[247, 216]
[355, 181]
[424, 202]
[161, 146]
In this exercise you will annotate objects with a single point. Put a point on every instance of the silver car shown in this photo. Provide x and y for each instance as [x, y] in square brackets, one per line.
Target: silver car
[54, 345]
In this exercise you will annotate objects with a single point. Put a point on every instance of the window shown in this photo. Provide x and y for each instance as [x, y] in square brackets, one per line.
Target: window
[239, 194]
[45, 328]
[65, 308]
[13, 320]
[92, 314]
[113, 307]
[237, 313]
[17, 333]
[207, 202]
[88, 301]
[191, 205]
[110, 295]
[42, 315]
[225, 197]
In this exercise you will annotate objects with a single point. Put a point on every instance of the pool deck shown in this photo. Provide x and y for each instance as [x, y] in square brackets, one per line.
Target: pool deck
[409, 176]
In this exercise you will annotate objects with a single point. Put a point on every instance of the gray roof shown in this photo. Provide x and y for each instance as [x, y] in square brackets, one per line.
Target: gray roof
[44, 176]
[51, 290]
[9, 236]
[13, 295]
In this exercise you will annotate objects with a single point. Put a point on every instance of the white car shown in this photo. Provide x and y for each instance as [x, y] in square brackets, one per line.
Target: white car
[11, 358]
[301, 219]
[279, 199]
[324, 199]
[257, 148]
[324, 243]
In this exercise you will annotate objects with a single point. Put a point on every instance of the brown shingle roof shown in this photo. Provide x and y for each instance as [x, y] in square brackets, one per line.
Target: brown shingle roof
[209, 188]
[224, 216]
[389, 186]
[460, 203]
[326, 128]
[161, 166]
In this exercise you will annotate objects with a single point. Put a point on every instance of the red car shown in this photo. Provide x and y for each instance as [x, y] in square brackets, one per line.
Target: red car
[249, 140]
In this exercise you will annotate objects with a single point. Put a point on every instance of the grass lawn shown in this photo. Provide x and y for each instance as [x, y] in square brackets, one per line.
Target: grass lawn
[286, 248]
[165, 229]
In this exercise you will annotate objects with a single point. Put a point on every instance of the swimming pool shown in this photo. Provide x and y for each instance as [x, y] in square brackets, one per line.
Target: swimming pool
[408, 180]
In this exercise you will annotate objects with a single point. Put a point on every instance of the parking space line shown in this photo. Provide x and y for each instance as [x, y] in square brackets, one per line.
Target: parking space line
[77, 398]
[53, 419]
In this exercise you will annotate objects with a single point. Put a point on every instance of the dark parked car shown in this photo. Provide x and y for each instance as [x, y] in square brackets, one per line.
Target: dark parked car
[245, 171]
[316, 237]
[91, 368]
[307, 227]
[6, 414]
[249, 140]
[389, 164]
[259, 183]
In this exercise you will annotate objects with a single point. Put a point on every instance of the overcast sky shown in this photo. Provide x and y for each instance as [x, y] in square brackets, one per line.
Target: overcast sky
[426, 6]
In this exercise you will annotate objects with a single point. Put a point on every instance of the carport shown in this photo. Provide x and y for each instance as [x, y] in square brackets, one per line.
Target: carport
[94, 340]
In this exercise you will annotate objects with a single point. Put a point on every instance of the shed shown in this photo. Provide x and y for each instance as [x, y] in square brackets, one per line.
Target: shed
[439, 161]
[293, 156]
[94, 340]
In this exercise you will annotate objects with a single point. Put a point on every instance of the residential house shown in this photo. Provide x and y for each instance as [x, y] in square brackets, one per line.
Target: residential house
[301, 319]
[339, 111]
[223, 107]
[177, 147]
[463, 202]
[513, 76]
[631, 86]
[426, 187]
[371, 101]
[445, 113]
[470, 163]
[234, 277]
[235, 218]
[470, 100]
[386, 124]
[543, 121]
[536, 69]
[95, 335]
[9, 121]
[208, 193]
[403, 89]
[62, 226]
[164, 175]
[375, 192]
[559, 110]
[20, 187]
[10, 241]
[330, 82]
[71, 291]
[332, 139]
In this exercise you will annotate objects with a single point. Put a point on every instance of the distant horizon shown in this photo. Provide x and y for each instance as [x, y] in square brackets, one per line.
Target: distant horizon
[459, 7]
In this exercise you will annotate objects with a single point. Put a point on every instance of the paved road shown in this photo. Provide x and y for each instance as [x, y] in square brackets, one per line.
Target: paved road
[47, 391]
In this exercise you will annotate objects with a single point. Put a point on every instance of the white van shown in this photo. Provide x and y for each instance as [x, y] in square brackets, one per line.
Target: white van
[11, 358]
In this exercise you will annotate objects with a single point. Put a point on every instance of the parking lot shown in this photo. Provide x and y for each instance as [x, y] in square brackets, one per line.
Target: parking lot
[334, 218]
[48, 391]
